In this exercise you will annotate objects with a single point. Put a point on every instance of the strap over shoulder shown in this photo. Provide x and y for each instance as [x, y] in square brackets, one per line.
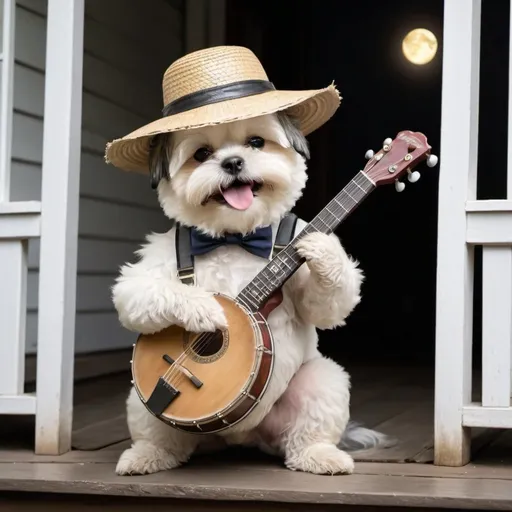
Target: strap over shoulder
[184, 258]
[285, 233]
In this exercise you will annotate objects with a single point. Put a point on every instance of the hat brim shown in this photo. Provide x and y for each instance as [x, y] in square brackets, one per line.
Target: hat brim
[311, 109]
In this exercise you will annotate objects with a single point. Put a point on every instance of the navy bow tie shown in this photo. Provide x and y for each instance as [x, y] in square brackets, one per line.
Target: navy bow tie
[258, 243]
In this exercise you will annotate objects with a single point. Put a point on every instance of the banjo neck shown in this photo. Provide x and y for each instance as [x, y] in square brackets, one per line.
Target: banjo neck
[269, 280]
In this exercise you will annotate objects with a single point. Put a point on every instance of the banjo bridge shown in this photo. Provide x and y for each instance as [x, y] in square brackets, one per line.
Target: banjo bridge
[197, 383]
[161, 397]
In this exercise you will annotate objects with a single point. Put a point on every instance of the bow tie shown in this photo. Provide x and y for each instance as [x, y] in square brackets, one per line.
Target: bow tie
[258, 243]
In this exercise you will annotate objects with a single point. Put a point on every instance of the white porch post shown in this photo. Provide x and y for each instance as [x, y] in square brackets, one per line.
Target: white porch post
[13, 251]
[457, 184]
[59, 225]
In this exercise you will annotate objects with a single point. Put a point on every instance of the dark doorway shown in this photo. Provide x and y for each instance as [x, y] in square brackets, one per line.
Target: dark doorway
[308, 44]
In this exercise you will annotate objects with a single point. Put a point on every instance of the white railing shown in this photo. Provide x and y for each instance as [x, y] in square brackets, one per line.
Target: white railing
[464, 223]
[55, 221]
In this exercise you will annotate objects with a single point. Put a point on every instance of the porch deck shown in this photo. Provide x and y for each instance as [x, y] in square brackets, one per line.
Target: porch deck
[396, 402]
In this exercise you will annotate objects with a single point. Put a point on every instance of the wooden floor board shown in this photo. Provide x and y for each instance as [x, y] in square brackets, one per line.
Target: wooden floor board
[28, 502]
[399, 405]
[232, 483]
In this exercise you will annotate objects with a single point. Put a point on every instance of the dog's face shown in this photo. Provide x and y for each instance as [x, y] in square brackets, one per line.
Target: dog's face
[234, 177]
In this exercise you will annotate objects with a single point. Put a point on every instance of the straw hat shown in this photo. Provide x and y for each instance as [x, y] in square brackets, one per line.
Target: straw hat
[214, 86]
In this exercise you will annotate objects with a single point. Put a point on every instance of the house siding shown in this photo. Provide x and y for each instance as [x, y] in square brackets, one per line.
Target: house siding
[128, 45]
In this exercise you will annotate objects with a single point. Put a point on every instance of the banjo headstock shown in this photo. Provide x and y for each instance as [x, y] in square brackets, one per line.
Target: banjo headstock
[399, 157]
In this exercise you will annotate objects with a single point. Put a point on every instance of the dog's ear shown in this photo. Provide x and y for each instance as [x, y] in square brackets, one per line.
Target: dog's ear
[295, 136]
[158, 159]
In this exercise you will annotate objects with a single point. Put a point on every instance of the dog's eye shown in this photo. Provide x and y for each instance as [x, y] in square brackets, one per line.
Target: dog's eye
[256, 142]
[202, 154]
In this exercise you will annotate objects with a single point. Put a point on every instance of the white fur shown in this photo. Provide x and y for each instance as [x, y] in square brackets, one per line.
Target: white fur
[305, 409]
[191, 182]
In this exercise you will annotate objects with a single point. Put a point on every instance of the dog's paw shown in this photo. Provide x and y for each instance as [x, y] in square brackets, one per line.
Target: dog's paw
[321, 459]
[144, 459]
[324, 255]
[203, 314]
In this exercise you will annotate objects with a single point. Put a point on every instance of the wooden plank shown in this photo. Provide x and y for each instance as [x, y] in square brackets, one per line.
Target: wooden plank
[102, 43]
[413, 430]
[20, 207]
[388, 404]
[20, 226]
[59, 225]
[100, 411]
[369, 385]
[103, 399]
[126, 223]
[131, 91]
[475, 415]
[480, 439]
[489, 205]
[230, 484]
[101, 81]
[94, 256]
[93, 293]
[27, 139]
[88, 365]
[496, 326]
[51, 503]
[457, 184]
[490, 469]
[93, 391]
[497, 452]
[489, 228]
[108, 455]
[102, 115]
[101, 434]
[6, 96]
[28, 131]
[131, 55]
[13, 307]
[110, 219]
[509, 138]
[93, 332]
[18, 404]
[34, 5]
[97, 179]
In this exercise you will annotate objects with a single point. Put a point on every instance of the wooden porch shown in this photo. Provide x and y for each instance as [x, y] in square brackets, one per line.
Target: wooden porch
[397, 401]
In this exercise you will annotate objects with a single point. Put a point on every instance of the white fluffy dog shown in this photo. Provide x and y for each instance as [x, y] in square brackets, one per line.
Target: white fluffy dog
[236, 177]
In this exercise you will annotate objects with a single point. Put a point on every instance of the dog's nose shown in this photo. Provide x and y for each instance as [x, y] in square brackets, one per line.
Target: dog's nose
[233, 164]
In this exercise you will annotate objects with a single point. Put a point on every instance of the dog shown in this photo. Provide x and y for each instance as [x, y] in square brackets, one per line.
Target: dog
[234, 178]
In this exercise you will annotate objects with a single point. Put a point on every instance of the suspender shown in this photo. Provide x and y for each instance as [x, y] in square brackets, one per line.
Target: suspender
[285, 233]
[185, 260]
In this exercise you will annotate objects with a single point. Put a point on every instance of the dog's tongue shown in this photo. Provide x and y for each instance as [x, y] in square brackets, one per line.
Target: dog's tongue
[240, 197]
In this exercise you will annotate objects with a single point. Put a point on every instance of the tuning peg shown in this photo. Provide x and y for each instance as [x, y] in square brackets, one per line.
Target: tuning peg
[413, 176]
[399, 186]
[387, 141]
[369, 154]
[432, 160]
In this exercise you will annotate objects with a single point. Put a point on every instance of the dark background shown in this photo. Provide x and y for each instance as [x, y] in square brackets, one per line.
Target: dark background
[306, 44]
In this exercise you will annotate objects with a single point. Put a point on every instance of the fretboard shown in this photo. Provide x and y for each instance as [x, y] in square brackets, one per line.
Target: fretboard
[287, 262]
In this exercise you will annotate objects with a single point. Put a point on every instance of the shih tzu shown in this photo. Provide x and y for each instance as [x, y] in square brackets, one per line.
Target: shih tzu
[234, 178]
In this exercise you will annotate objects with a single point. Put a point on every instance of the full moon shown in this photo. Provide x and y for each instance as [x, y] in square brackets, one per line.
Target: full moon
[419, 46]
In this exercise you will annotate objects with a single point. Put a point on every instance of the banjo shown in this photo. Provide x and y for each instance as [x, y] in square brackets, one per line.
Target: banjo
[208, 382]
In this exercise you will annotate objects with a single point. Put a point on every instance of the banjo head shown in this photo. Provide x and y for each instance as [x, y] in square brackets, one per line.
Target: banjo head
[212, 378]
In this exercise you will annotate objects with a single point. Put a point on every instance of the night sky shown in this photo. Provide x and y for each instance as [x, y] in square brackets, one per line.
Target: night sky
[308, 44]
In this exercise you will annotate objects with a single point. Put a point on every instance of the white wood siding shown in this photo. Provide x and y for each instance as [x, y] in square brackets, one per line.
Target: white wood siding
[128, 45]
